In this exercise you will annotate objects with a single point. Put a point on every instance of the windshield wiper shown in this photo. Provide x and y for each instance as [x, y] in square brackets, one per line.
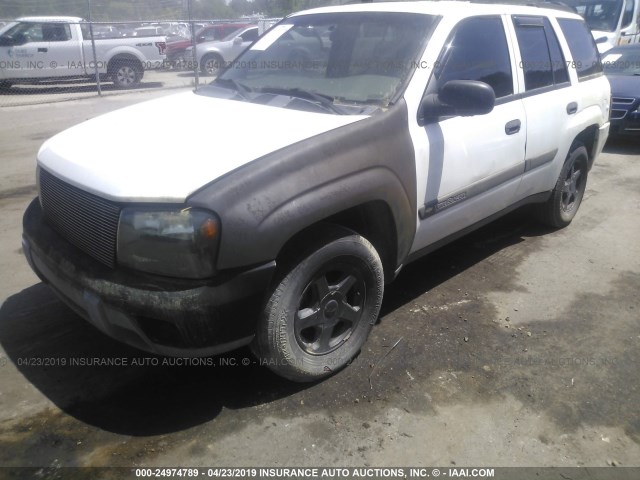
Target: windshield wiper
[240, 88]
[324, 100]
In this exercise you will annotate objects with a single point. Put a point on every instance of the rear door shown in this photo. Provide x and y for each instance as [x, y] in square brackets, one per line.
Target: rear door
[549, 101]
[65, 49]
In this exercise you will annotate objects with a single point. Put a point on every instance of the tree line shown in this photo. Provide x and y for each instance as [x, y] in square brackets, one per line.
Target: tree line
[121, 10]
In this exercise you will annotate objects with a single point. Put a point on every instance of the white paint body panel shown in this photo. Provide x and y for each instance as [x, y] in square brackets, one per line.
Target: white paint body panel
[456, 154]
[462, 152]
[134, 154]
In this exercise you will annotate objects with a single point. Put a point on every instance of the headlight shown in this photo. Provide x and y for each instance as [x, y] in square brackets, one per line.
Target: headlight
[176, 243]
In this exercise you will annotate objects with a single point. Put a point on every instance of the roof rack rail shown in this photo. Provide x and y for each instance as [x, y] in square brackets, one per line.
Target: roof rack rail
[554, 4]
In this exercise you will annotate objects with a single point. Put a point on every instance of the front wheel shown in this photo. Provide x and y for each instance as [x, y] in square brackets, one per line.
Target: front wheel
[320, 314]
[567, 195]
[212, 64]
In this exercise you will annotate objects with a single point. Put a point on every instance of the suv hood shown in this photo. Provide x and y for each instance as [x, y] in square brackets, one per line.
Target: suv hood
[624, 85]
[166, 149]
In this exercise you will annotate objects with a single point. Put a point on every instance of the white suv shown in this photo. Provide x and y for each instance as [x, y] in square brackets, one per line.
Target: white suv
[348, 141]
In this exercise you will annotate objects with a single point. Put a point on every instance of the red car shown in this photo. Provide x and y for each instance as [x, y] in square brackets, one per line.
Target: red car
[176, 49]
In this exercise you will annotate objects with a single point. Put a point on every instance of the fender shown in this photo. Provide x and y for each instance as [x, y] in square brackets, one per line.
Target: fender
[124, 50]
[584, 125]
[211, 49]
[266, 202]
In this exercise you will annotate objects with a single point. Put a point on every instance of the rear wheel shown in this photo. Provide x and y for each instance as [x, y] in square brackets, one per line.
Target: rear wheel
[320, 313]
[125, 73]
[567, 195]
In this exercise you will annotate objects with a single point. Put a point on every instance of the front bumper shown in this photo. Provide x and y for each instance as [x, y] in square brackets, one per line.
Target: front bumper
[156, 314]
[629, 125]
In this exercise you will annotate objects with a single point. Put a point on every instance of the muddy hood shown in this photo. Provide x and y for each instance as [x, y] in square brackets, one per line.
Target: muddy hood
[166, 149]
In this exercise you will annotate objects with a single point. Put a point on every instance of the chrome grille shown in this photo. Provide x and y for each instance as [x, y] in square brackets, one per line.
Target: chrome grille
[623, 101]
[86, 220]
[618, 114]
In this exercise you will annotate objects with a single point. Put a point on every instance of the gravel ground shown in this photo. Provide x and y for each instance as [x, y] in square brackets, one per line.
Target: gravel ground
[514, 346]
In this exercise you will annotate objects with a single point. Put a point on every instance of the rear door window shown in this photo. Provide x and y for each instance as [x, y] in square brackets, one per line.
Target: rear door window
[541, 57]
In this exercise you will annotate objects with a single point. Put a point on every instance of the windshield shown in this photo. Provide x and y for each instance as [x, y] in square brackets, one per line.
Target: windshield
[344, 58]
[25, 31]
[622, 63]
[233, 34]
[601, 15]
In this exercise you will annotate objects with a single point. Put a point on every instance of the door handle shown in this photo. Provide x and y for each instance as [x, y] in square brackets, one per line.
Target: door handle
[572, 108]
[512, 127]
[43, 50]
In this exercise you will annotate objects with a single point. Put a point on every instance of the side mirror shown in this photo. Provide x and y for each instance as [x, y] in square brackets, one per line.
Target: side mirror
[458, 98]
[7, 42]
[237, 41]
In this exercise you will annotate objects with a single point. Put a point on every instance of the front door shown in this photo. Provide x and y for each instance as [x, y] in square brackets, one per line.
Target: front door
[469, 168]
[40, 50]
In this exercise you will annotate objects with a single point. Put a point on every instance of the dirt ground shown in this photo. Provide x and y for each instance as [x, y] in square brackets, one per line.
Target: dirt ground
[514, 346]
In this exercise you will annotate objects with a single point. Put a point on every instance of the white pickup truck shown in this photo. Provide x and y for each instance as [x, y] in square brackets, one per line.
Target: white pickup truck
[34, 49]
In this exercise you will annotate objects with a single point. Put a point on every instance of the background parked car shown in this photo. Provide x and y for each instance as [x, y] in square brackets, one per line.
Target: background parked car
[62, 48]
[148, 31]
[212, 56]
[127, 29]
[622, 68]
[105, 31]
[176, 49]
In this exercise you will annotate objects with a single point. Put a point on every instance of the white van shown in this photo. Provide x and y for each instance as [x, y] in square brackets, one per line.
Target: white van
[612, 22]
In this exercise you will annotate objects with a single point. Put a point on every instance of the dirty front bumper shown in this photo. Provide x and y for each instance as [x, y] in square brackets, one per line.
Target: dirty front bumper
[156, 314]
[628, 125]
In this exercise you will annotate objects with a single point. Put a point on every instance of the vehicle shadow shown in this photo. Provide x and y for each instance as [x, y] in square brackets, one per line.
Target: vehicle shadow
[456, 257]
[120, 389]
[622, 145]
[58, 88]
[123, 390]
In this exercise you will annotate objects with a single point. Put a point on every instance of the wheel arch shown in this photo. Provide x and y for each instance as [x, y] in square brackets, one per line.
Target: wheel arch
[372, 220]
[360, 176]
[211, 53]
[588, 137]
[124, 57]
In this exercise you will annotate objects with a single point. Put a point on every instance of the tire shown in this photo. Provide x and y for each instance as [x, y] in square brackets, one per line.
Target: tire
[125, 73]
[562, 206]
[211, 64]
[320, 313]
